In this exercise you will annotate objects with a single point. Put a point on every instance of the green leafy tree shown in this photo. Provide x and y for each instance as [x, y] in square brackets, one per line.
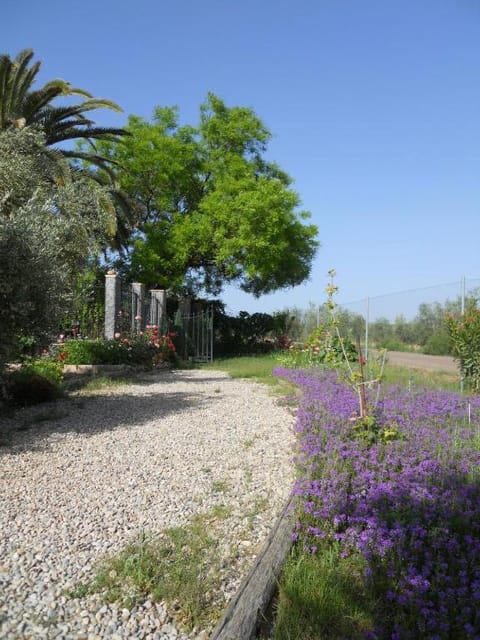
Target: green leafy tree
[403, 331]
[381, 332]
[213, 210]
[429, 319]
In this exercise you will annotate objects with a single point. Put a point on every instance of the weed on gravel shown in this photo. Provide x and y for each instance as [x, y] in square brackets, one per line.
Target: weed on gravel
[181, 567]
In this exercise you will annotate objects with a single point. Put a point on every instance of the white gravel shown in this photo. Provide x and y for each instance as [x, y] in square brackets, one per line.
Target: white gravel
[106, 468]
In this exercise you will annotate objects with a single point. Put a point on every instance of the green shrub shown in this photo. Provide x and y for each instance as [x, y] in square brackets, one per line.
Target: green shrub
[26, 347]
[393, 344]
[246, 334]
[35, 382]
[438, 344]
[48, 368]
[92, 352]
[464, 333]
[138, 351]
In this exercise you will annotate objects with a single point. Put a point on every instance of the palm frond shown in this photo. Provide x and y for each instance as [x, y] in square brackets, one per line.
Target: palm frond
[57, 114]
[52, 121]
[5, 71]
[98, 133]
[68, 90]
[100, 103]
[58, 166]
[99, 161]
[37, 100]
[128, 218]
[21, 79]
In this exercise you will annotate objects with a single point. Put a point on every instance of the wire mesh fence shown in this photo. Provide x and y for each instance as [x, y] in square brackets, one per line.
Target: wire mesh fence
[406, 304]
[413, 317]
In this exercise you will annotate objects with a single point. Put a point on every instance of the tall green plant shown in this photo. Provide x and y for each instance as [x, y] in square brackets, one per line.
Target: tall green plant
[464, 333]
[356, 374]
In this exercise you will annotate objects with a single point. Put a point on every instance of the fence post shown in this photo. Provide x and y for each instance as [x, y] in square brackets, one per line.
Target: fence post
[158, 306]
[112, 303]
[367, 322]
[462, 311]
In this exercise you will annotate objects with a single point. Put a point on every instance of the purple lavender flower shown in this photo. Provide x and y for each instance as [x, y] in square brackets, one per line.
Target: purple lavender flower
[411, 506]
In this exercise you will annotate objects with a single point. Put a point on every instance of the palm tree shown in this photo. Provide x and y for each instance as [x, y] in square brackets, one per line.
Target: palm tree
[21, 106]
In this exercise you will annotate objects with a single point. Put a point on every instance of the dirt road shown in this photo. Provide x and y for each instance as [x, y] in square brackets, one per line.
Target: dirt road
[421, 361]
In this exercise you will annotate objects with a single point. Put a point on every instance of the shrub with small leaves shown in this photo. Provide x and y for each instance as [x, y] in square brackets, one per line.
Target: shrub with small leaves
[36, 381]
[464, 332]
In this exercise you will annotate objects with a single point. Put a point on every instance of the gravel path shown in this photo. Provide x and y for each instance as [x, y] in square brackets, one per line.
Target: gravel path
[104, 469]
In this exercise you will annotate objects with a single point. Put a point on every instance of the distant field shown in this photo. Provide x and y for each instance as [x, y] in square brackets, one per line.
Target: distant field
[422, 361]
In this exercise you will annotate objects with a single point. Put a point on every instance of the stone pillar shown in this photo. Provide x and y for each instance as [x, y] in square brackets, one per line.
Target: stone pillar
[158, 306]
[138, 296]
[112, 303]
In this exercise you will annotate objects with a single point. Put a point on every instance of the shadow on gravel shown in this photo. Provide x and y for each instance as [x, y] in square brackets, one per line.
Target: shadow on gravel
[33, 427]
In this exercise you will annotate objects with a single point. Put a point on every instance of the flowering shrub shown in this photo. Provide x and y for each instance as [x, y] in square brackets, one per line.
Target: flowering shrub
[165, 351]
[410, 507]
[147, 350]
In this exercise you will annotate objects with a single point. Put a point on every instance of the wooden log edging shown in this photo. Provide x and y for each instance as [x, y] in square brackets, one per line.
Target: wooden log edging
[247, 609]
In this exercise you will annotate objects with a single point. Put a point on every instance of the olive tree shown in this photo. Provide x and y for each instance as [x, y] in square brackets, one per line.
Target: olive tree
[50, 224]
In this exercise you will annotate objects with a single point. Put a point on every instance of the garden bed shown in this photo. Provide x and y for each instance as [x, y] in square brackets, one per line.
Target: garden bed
[396, 507]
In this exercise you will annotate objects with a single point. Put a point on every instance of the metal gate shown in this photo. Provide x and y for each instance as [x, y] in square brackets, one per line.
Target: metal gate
[195, 335]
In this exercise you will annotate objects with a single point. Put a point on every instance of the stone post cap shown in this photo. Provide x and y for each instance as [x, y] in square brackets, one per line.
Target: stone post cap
[111, 272]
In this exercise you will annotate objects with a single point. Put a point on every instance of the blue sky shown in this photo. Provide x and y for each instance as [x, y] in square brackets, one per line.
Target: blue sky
[374, 106]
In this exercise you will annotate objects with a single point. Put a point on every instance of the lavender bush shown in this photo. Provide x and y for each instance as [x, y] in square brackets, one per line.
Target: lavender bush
[408, 501]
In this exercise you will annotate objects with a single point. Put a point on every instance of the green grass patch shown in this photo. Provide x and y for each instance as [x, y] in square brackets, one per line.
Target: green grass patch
[394, 374]
[258, 368]
[221, 511]
[181, 565]
[100, 383]
[322, 597]
[220, 486]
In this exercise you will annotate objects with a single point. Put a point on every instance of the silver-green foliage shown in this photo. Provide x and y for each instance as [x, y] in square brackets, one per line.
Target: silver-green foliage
[51, 221]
